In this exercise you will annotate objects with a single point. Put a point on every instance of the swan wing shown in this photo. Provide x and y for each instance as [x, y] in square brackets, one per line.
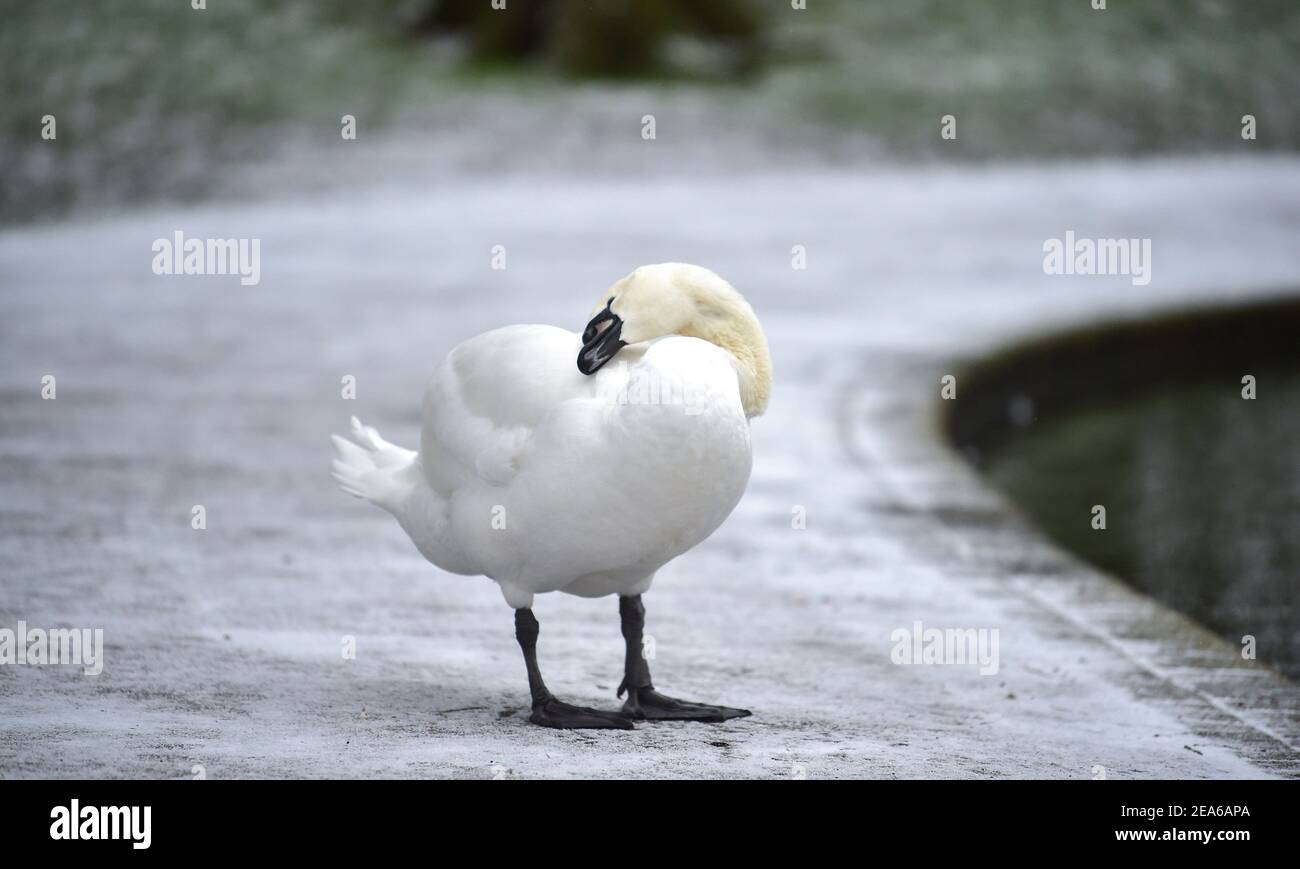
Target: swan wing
[487, 399]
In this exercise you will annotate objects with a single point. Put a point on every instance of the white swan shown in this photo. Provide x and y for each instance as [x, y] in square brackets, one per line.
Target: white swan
[546, 477]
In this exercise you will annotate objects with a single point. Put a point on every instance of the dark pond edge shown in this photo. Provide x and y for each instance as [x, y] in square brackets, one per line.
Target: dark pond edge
[1115, 361]
[1180, 665]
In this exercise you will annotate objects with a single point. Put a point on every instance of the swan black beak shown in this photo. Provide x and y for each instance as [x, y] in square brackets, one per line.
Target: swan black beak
[600, 340]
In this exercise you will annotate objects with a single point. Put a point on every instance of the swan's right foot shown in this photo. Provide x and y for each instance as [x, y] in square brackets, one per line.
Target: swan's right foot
[565, 716]
[647, 704]
[644, 703]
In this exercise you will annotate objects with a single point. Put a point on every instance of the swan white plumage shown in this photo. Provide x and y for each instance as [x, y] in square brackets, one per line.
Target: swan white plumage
[546, 476]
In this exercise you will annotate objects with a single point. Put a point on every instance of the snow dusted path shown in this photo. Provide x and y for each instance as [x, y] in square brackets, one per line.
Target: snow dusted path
[223, 646]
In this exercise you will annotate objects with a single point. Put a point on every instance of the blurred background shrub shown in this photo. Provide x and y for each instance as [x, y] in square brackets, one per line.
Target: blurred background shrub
[153, 97]
[610, 38]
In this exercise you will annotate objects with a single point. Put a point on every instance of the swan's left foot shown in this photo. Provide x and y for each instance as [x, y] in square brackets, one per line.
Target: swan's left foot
[566, 716]
[644, 703]
[647, 704]
[547, 711]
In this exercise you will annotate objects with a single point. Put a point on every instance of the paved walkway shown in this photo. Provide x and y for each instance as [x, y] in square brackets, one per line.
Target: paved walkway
[223, 645]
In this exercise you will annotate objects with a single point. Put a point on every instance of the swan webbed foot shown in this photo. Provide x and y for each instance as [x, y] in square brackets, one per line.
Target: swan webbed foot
[547, 711]
[647, 704]
[565, 716]
[644, 703]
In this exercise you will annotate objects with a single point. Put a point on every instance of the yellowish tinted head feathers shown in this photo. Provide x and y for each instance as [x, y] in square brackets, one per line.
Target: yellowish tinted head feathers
[682, 299]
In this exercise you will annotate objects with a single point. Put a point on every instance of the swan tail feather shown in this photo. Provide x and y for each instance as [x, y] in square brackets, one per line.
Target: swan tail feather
[371, 468]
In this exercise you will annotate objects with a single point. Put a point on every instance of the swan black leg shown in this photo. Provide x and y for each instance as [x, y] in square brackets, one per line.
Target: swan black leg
[644, 703]
[547, 711]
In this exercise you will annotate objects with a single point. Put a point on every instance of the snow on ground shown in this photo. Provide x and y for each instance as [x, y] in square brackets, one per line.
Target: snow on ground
[223, 646]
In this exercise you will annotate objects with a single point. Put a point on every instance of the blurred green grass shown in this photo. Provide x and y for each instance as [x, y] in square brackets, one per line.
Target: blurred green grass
[151, 95]
[1055, 77]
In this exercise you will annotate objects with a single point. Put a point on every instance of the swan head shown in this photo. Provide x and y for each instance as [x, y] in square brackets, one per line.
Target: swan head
[687, 300]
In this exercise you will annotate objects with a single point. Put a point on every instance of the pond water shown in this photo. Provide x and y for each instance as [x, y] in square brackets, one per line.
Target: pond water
[1202, 495]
